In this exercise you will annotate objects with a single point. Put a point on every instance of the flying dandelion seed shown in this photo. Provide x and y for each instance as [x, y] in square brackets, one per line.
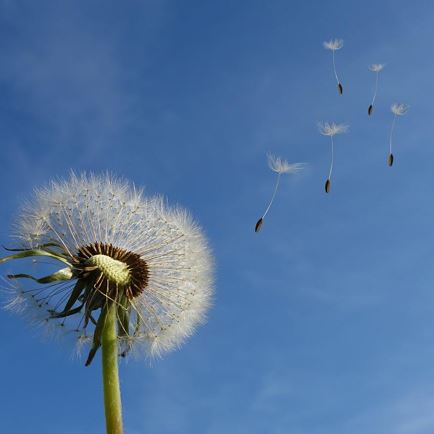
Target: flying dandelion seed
[276, 164]
[375, 67]
[334, 45]
[331, 129]
[135, 274]
[397, 110]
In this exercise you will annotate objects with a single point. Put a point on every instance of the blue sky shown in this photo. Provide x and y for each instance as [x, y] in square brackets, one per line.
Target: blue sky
[323, 322]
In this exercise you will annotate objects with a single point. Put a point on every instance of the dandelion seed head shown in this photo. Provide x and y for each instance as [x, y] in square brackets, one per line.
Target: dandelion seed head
[333, 44]
[399, 109]
[151, 259]
[377, 67]
[279, 165]
[331, 128]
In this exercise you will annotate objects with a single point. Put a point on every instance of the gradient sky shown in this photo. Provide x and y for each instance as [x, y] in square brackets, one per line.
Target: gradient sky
[324, 321]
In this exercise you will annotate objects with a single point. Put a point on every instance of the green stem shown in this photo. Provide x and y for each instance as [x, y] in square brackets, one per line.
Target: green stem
[110, 372]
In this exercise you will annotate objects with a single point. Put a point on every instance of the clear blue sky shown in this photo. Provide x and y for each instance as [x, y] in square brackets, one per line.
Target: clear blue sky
[324, 322]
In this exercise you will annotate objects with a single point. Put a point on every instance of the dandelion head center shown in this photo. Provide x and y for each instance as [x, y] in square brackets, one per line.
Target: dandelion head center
[112, 270]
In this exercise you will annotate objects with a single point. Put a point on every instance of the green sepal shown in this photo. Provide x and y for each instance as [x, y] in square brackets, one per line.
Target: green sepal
[64, 314]
[35, 252]
[40, 247]
[78, 288]
[123, 317]
[63, 274]
[137, 325]
[67, 310]
[92, 301]
[97, 336]
[123, 320]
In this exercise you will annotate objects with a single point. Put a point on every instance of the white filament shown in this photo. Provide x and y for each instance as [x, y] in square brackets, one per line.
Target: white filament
[334, 68]
[332, 160]
[391, 134]
[272, 197]
[376, 88]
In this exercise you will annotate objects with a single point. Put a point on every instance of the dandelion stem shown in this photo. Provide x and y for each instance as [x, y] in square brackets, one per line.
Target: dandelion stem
[110, 372]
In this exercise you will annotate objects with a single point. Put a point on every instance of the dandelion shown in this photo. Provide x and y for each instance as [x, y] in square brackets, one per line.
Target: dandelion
[331, 129]
[397, 110]
[375, 67]
[333, 45]
[135, 273]
[280, 166]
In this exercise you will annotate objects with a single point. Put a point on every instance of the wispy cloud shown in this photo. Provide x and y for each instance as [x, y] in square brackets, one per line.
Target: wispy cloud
[73, 80]
[409, 413]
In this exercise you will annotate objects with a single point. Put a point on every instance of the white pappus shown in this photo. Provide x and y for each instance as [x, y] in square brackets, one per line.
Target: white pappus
[334, 45]
[279, 166]
[377, 68]
[397, 110]
[331, 129]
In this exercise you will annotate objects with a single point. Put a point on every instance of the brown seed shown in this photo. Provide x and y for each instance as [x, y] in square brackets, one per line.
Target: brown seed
[390, 160]
[340, 89]
[259, 224]
[328, 186]
[370, 110]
